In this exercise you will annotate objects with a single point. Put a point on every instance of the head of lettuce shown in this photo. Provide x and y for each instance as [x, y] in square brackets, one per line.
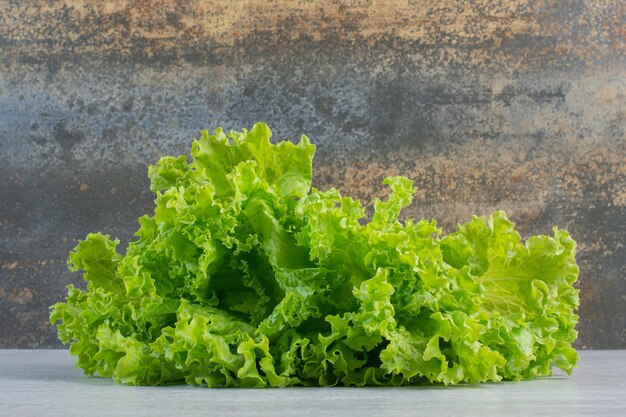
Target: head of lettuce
[245, 276]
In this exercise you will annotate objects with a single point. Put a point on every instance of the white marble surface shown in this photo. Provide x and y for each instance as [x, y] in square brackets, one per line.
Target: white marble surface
[45, 383]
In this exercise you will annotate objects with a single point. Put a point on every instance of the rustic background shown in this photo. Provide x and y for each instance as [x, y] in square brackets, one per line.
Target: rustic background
[515, 105]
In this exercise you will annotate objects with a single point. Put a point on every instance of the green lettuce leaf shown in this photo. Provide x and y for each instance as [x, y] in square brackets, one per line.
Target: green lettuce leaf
[246, 276]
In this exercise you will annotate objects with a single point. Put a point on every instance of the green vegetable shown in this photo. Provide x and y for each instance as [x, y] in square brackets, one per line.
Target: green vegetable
[246, 276]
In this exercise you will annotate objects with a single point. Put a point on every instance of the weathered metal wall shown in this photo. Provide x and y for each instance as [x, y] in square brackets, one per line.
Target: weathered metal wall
[515, 105]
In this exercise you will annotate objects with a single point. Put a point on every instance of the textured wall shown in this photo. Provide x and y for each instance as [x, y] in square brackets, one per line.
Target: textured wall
[515, 105]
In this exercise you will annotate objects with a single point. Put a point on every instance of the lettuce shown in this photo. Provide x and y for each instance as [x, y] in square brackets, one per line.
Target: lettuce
[245, 276]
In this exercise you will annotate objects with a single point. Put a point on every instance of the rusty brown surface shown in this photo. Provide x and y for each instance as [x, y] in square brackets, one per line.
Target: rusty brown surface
[515, 105]
[586, 30]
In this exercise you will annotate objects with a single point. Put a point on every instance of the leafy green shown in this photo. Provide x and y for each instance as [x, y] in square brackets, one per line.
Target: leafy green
[245, 276]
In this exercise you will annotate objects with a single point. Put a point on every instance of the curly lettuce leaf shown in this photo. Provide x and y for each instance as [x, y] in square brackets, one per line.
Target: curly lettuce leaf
[246, 276]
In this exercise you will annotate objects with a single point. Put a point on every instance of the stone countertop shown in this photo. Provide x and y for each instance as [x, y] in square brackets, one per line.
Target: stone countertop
[45, 383]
